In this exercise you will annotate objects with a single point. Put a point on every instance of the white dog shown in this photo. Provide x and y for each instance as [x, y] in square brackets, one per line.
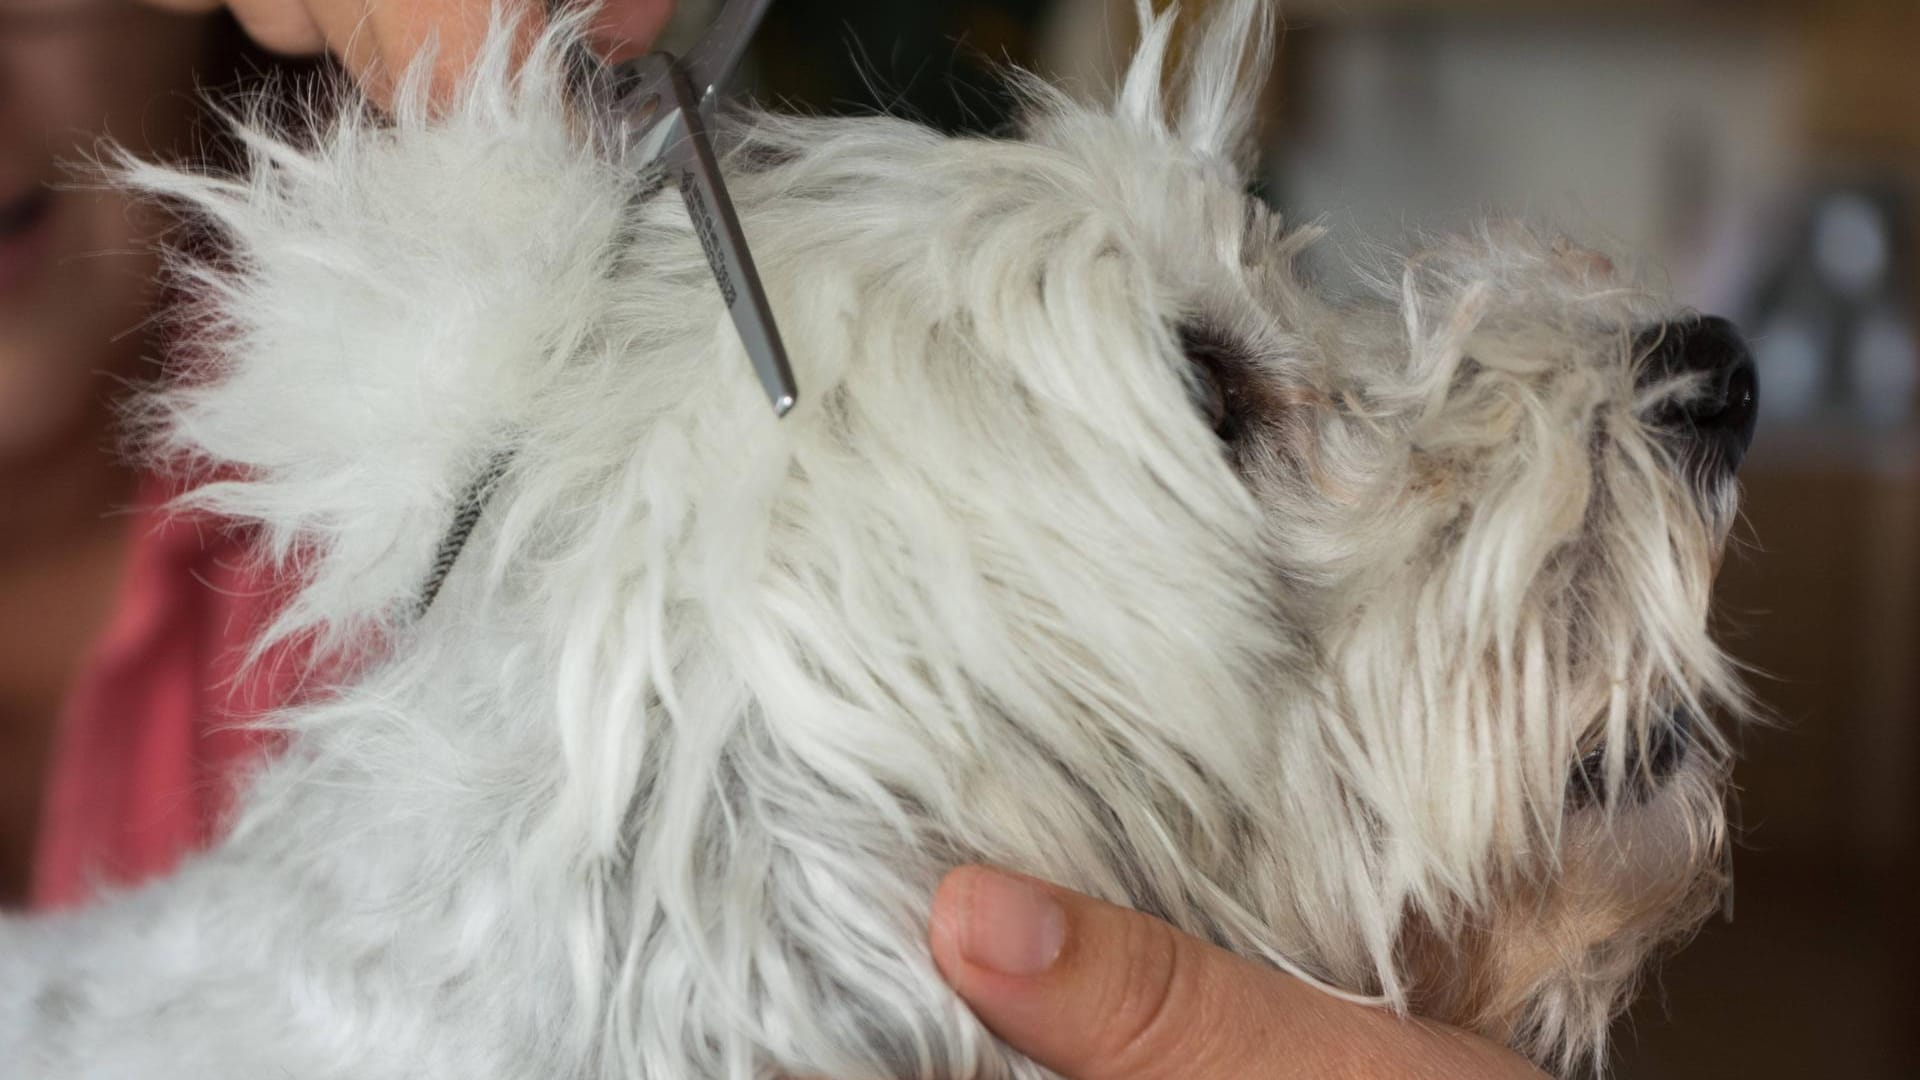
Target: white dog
[1366, 637]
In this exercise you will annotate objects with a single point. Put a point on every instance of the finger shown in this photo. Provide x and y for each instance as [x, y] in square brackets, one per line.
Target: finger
[347, 26]
[1097, 992]
[456, 28]
[280, 26]
[626, 28]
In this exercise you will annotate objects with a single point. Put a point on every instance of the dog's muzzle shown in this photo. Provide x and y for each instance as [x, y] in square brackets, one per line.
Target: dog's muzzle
[1716, 423]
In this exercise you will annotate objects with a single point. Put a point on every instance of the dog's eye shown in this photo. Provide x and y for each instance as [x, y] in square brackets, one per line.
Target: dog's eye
[1648, 766]
[1219, 378]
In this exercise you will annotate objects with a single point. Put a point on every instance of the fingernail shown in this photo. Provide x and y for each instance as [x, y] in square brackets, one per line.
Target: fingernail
[1011, 926]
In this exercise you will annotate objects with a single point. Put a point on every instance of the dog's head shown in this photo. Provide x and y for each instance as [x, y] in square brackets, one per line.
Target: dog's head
[1367, 635]
[1459, 534]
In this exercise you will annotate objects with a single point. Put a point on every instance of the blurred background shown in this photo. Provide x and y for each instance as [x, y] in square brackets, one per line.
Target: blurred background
[1763, 158]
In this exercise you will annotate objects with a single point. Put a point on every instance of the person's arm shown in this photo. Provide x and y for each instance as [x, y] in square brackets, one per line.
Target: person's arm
[377, 39]
[1097, 992]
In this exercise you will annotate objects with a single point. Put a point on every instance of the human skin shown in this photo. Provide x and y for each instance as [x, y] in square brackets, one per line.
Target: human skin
[1097, 992]
[377, 39]
[77, 270]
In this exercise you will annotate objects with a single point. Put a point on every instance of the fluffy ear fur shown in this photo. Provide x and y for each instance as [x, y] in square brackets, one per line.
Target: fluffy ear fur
[1217, 103]
[391, 292]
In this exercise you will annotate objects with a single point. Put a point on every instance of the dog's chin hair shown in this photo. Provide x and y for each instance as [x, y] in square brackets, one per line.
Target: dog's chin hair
[662, 783]
[1561, 951]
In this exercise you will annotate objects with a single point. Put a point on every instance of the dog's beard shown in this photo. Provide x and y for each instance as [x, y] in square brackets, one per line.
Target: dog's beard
[1554, 955]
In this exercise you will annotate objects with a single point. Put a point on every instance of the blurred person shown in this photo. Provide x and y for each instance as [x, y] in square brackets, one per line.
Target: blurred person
[111, 620]
[125, 629]
[121, 680]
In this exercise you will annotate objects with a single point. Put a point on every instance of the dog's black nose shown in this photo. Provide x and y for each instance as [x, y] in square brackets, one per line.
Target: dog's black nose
[1718, 416]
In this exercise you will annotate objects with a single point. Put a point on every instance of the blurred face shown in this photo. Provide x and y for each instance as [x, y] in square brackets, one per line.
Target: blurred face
[77, 272]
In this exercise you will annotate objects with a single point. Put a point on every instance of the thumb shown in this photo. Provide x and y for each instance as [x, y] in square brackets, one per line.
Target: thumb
[1097, 992]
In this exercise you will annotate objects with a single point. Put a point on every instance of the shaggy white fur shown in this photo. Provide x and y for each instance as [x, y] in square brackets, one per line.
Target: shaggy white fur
[662, 783]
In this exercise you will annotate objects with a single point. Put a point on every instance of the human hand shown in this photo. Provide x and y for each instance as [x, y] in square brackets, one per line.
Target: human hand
[1097, 992]
[378, 39]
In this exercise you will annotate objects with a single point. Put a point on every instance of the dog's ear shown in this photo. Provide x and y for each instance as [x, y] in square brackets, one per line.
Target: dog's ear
[385, 298]
[1211, 101]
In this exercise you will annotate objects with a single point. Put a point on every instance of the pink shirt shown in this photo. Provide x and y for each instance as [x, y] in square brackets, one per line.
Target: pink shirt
[149, 743]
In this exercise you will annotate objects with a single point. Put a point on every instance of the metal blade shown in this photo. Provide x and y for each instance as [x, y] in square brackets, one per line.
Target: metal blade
[693, 169]
[711, 62]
